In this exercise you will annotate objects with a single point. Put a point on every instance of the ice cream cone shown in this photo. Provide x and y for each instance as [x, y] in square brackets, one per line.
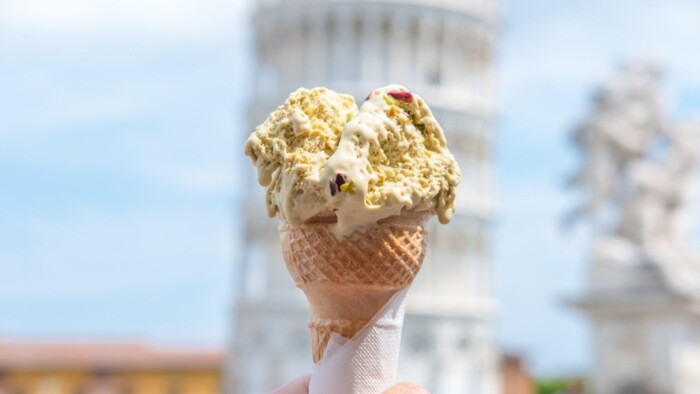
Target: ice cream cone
[347, 281]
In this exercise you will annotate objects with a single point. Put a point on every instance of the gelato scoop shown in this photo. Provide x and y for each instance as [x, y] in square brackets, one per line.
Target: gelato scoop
[354, 189]
[318, 153]
[290, 150]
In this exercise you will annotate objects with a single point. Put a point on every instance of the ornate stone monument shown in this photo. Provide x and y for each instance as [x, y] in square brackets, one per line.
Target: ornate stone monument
[442, 50]
[644, 298]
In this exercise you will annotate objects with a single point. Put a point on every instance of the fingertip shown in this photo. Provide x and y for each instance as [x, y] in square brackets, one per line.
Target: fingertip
[304, 381]
[406, 388]
[299, 385]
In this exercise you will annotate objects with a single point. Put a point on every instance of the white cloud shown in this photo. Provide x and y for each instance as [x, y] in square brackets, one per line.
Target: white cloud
[160, 18]
[81, 97]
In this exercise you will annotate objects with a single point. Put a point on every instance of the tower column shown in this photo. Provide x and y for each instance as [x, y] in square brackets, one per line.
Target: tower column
[351, 47]
[317, 63]
[371, 46]
[343, 44]
[400, 47]
[428, 51]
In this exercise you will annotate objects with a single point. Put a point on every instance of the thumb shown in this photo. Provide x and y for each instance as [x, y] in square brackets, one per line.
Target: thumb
[406, 388]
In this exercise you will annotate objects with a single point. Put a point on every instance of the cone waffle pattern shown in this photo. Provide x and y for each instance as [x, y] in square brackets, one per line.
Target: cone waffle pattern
[388, 256]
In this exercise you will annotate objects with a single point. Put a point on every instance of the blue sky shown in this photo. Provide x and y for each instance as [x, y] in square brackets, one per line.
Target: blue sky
[120, 131]
[118, 165]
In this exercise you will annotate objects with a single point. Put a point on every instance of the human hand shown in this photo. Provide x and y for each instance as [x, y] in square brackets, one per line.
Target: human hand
[406, 388]
[301, 386]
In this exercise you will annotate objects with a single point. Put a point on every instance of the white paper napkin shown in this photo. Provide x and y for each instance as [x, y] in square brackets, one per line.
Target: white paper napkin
[366, 363]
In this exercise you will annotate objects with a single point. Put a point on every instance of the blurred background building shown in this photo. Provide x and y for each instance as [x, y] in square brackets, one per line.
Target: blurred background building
[121, 367]
[41, 367]
[644, 297]
[442, 50]
[514, 376]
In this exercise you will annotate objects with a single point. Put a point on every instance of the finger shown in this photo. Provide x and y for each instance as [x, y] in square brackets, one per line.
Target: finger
[299, 385]
[406, 388]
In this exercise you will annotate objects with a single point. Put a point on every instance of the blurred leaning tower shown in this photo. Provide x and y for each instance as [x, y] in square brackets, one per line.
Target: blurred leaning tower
[442, 50]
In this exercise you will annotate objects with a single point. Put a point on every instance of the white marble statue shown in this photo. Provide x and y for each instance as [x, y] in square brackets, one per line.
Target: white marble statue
[624, 122]
[644, 298]
[638, 168]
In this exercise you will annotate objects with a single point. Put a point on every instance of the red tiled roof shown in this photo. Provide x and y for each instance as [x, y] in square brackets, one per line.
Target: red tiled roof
[105, 355]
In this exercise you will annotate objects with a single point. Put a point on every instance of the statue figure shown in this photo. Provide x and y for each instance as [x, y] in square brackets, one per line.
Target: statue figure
[660, 191]
[637, 175]
[626, 118]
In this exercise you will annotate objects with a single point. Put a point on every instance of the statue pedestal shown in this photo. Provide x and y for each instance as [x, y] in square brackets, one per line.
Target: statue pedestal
[647, 339]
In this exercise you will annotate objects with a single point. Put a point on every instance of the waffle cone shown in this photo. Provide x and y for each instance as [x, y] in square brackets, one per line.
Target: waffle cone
[348, 281]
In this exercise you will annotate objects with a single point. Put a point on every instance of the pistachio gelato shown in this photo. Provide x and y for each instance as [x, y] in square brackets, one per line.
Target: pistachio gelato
[318, 153]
